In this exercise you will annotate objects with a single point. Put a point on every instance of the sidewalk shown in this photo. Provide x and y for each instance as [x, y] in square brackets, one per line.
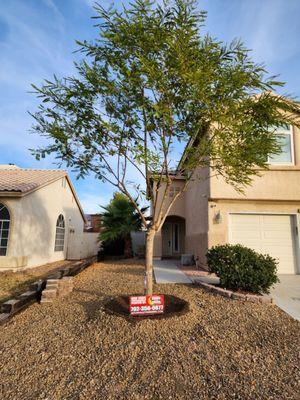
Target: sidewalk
[166, 271]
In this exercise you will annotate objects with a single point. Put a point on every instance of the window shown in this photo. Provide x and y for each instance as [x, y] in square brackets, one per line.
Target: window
[285, 140]
[173, 191]
[60, 234]
[4, 229]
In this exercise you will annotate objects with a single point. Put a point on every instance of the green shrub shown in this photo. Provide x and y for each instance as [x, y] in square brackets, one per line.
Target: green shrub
[241, 268]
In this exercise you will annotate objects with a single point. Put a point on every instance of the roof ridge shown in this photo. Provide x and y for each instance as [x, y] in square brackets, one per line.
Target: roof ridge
[33, 169]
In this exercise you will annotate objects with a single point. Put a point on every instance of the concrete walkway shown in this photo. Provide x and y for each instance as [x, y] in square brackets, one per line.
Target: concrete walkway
[166, 271]
[287, 294]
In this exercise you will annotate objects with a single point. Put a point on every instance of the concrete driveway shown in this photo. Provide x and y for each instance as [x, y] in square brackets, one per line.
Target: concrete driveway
[166, 271]
[287, 294]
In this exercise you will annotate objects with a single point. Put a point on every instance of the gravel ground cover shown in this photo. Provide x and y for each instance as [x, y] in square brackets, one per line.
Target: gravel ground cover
[221, 349]
[193, 272]
[15, 283]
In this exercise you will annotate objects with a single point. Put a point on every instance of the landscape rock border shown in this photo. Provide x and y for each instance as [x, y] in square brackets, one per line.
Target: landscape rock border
[14, 305]
[57, 288]
[253, 298]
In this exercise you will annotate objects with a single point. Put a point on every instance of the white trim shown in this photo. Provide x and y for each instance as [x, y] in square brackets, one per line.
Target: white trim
[262, 212]
[9, 230]
[58, 231]
[289, 132]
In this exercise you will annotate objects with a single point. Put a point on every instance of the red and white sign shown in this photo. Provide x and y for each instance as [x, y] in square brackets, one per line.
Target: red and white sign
[144, 305]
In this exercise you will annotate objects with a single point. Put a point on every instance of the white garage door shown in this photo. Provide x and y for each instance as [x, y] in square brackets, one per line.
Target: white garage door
[267, 234]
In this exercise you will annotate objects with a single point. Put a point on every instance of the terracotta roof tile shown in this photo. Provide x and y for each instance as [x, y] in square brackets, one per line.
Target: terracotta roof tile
[25, 180]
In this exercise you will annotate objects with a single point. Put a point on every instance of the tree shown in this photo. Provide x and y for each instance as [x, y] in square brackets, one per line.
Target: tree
[119, 220]
[151, 81]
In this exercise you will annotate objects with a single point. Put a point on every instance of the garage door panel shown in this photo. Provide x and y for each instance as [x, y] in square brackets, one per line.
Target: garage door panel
[278, 236]
[267, 234]
[241, 217]
[278, 251]
[239, 235]
[275, 219]
[277, 227]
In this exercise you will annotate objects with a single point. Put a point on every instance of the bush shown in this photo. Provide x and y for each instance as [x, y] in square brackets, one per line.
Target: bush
[241, 268]
[113, 247]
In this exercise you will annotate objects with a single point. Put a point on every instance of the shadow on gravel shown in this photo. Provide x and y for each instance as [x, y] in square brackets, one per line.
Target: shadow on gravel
[92, 293]
[92, 308]
[174, 306]
[128, 271]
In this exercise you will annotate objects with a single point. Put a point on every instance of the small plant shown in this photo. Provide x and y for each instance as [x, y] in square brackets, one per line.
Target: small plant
[241, 268]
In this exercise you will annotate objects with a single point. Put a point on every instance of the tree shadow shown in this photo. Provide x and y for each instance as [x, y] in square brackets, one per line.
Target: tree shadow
[92, 308]
[128, 271]
[92, 293]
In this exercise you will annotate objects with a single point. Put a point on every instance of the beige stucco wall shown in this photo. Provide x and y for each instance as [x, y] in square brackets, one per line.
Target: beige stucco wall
[272, 185]
[196, 202]
[82, 245]
[178, 207]
[33, 225]
[277, 183]
[192, 206]
[277, 190]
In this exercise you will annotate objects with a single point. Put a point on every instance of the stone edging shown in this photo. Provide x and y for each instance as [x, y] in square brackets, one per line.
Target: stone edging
[14, 305]
[234, 295]
[57, 288]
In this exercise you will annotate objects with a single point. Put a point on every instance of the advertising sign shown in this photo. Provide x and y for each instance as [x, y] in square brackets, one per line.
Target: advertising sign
[145, 305]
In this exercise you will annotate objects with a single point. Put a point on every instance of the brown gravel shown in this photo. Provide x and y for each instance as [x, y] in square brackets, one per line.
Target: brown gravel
[221, 349]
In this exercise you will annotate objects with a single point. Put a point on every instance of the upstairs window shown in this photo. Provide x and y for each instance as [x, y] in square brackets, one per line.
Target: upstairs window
[173, 191]
[4, 229]
[285, 140]
[60, 234]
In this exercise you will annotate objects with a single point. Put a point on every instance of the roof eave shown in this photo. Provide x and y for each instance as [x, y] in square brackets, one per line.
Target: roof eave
[6, 193]
[19, 194]
[76, 198]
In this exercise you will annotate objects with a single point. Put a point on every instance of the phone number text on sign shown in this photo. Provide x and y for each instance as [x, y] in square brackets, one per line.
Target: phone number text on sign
[142, 305]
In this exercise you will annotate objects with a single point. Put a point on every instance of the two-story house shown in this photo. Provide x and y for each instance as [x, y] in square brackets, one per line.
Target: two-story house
[266, 217]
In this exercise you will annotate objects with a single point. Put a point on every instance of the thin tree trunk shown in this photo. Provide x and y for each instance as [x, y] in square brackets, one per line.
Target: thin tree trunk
[127, 246]
[149, 261]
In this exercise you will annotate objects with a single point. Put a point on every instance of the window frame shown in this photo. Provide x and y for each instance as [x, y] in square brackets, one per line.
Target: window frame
[58, 230]
[173, 191]
[289, 132]
[2, 221]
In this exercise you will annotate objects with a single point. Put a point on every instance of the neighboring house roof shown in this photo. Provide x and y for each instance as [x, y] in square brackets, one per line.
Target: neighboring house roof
[92, 222]
[26, 180]
[18, 182]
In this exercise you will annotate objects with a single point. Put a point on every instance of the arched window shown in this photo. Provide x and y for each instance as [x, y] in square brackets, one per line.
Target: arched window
[4, 229]
[60, 233]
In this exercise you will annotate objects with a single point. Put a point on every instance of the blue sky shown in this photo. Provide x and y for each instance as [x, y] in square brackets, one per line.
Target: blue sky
[37, 39]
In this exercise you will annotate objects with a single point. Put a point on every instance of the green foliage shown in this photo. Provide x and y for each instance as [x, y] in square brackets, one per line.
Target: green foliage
[119, 219]
[241, 268]
[150, 80]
